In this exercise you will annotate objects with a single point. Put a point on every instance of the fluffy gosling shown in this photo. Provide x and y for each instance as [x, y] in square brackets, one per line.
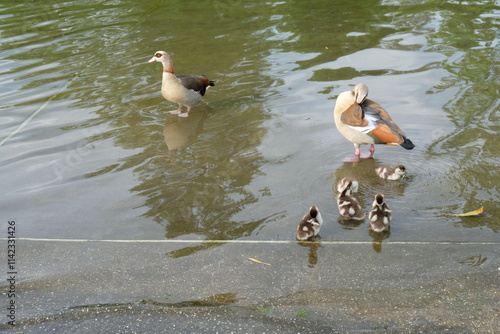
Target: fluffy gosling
[380, 214]
[390, 173]
[348, 205]
[310, 224]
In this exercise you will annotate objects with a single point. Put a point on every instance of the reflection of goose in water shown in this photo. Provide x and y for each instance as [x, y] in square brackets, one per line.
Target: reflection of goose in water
[179, 132]
[361, 172]
[369, 183]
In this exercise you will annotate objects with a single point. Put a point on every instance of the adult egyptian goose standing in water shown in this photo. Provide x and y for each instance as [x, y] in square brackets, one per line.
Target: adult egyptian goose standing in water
[363, 121]
[185, 90]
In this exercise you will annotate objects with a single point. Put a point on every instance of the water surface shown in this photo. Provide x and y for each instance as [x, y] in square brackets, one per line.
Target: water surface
[98, 156]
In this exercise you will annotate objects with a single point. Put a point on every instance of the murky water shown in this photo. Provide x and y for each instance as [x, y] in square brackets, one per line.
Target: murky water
[89, 150]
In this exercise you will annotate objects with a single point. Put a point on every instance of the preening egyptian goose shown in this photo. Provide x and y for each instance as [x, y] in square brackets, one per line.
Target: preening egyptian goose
[389, 173]
[185, 90]
[310, 224]
[348, 205]
[380, 214]
[363, 121]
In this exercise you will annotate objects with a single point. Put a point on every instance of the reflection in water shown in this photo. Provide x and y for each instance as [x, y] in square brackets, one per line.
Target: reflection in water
[369, 182]
[472, 145]
[313, 250]
[179, 132]
[191, 250]
[363, 172]
[212, 155]
[377, 239]
[474, 261]
[349, 224]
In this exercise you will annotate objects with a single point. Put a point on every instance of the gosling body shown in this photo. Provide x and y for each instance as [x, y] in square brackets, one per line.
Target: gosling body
[310, 224]
[348, 205]
[380, 214]
[391, 173]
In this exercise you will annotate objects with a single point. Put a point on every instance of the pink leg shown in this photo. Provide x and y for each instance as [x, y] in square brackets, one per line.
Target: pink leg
[357, 153]
[177, 112]
[185, 114]
[372, 152]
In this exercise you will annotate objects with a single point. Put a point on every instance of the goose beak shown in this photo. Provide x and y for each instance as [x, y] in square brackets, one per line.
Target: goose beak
[152, 60]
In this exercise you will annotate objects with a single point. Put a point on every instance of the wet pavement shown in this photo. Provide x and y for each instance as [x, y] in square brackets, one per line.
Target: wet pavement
[313, 287]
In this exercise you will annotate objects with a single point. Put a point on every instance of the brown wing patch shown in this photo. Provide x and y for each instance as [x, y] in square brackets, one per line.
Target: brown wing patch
[354, 116]
[198, 83]
[372, 107]
[385, 135]
[380, 110]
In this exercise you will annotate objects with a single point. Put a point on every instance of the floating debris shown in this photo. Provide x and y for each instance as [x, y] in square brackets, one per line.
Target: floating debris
[467, 214]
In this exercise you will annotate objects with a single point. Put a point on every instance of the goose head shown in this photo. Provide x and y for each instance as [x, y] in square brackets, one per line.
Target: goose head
[379, 200]
[160, 56]
[348, 98]
[360, 93]
[164, 58]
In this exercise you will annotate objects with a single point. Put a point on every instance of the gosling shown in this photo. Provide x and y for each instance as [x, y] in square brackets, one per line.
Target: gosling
[348, 205]
[390, 173]
[380, 214]
[310, 224]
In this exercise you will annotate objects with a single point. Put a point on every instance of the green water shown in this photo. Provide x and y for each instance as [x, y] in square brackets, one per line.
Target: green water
[99, 157]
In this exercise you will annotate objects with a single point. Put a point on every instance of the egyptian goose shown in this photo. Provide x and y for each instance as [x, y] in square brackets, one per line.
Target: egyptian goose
[348, 205]
[390, 173]
[363, 121]
[347, 181]
[380, 214]
[310, 224]
[185, 90]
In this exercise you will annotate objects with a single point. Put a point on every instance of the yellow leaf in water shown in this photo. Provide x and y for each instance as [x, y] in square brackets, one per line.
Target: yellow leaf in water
[255, 260]
[472, 213]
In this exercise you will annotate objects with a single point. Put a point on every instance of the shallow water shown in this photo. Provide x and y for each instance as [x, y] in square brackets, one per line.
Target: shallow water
[89, 150]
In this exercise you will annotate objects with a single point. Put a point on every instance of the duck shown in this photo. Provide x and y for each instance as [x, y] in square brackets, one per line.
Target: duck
[348, 205]
[185, 90]
[348, 181]
[363, 121]
[310, 224]
[380, 214]
[390, 173]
